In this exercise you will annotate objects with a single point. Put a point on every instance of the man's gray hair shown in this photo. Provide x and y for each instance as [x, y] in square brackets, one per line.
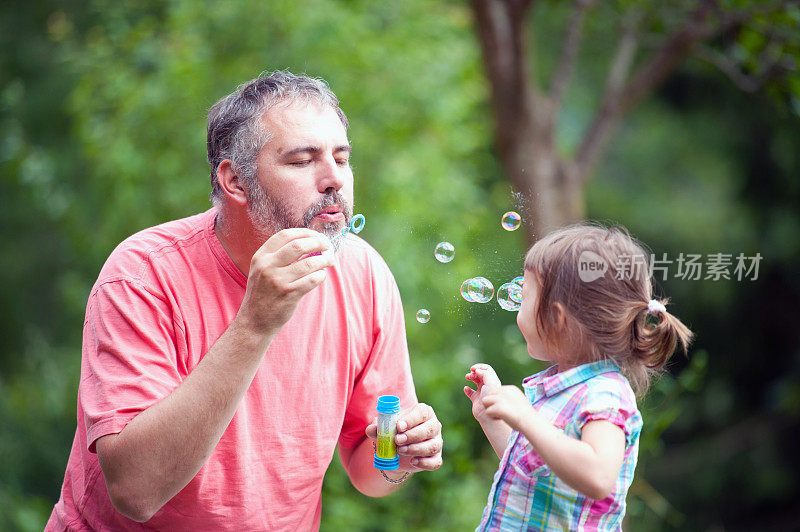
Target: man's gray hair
[234, 122]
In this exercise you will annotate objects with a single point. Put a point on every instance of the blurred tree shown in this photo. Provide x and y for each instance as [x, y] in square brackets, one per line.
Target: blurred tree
[753, 42]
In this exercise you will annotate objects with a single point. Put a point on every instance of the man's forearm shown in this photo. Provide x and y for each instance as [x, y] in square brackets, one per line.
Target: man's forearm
[163, 448]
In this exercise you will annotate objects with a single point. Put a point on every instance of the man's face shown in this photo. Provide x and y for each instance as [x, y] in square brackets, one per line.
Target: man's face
[304, 174]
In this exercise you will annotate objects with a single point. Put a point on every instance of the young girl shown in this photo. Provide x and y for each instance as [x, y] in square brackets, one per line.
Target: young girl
[568, 444]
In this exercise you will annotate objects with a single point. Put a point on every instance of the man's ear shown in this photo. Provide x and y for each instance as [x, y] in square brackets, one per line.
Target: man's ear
[230, 183]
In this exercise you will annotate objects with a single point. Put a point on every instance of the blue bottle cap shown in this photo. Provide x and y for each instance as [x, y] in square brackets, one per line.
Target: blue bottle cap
[386, 464]
[388, 404]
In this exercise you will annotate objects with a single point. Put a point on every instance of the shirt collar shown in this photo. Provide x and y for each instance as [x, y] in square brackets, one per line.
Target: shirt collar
[552, 382]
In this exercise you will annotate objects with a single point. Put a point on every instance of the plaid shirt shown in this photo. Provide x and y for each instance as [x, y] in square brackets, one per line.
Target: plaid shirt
[525, 494]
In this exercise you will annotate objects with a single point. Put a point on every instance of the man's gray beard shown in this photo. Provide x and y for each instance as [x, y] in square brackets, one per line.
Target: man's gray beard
[269, 215]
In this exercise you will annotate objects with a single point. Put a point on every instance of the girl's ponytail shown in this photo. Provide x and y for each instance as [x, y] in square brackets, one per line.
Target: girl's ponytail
[656, 334]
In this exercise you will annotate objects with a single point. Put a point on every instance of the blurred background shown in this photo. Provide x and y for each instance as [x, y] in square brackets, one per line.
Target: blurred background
[680, 120]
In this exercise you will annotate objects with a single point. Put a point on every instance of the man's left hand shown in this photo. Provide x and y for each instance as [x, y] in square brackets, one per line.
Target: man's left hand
[419, 439]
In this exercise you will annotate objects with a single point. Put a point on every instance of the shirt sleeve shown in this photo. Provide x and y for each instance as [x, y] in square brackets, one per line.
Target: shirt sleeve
[387, 370]
[614, 402]
[129, 356]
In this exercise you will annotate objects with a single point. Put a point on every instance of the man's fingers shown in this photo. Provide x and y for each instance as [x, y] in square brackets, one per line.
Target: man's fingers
[426, 431]
[429, 463]
[308, 282]
[295, 249]
[279, 239]
[419, 414]
[427, 448]
[308, 265]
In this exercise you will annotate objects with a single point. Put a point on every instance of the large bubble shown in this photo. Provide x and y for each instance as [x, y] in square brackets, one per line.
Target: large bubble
[423, 315]
[509, 296]
[511, 221]
[444, 252]
[477, 290]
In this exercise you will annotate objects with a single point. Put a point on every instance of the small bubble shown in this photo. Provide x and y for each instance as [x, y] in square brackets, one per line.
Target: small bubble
[423, 315]
[519, 280]
[444, 252]
[510, 221]
[509, 296]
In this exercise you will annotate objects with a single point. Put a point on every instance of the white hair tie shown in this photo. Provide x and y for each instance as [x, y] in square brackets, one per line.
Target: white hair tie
[654, 307]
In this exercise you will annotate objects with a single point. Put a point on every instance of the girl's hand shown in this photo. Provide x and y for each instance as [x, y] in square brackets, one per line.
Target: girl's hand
[485, 377]
[507, 403]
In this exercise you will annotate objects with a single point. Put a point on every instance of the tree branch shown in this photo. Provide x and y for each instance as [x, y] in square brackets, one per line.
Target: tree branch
[700, 28]
[569, 53]
[604, 121]
[745, 82]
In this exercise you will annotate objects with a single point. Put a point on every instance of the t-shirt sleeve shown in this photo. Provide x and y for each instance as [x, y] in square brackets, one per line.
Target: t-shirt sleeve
[387, 370]
[129, 356]
[611, 401]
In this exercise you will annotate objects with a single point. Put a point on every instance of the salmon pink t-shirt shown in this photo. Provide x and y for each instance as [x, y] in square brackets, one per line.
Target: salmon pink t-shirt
[163, 298]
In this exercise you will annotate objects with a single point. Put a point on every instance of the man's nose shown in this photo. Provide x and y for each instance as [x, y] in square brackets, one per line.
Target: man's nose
[331, 175]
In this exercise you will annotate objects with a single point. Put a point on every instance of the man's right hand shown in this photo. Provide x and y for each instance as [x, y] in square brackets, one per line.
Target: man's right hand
[289, 265]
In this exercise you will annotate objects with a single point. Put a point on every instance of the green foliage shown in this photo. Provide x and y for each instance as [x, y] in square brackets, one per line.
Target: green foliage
[102, 127]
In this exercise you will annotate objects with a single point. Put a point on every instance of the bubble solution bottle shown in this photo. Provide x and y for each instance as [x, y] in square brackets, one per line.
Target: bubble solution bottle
[386, 458]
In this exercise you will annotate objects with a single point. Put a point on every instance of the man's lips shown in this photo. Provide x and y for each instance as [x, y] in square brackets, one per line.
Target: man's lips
[331, 214]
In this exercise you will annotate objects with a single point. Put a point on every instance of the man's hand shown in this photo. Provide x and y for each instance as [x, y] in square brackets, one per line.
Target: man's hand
[485, 377]
[507, 403]
[289, 265]
[419, 439]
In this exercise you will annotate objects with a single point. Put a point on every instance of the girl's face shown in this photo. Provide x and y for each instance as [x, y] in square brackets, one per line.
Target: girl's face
[526, 318]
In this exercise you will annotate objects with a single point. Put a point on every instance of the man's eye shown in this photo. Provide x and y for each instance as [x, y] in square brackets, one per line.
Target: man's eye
[342, 162]
[300, 163]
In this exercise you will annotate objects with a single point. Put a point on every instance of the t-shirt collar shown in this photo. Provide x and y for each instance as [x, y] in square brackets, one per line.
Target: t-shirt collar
[550, 382]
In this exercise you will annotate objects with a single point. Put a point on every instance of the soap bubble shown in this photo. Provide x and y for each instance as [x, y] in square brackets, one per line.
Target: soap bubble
[477, 290]
[509, 296]
[483, 291]
[510, 221]
[467, 290]
[423, 315]
[444, 252]
[519, 280]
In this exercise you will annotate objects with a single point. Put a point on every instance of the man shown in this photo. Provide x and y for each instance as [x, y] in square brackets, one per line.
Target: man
[226, 355]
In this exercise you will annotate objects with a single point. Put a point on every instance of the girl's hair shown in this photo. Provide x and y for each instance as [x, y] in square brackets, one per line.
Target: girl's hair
[601, 278]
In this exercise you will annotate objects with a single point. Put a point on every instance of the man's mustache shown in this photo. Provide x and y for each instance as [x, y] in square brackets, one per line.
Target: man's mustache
[331, 198]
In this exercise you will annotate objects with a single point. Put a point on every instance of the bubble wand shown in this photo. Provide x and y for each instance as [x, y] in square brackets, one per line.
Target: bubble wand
[356, 226]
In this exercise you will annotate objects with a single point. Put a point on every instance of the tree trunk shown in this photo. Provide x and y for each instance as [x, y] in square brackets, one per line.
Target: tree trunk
[525, 122]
